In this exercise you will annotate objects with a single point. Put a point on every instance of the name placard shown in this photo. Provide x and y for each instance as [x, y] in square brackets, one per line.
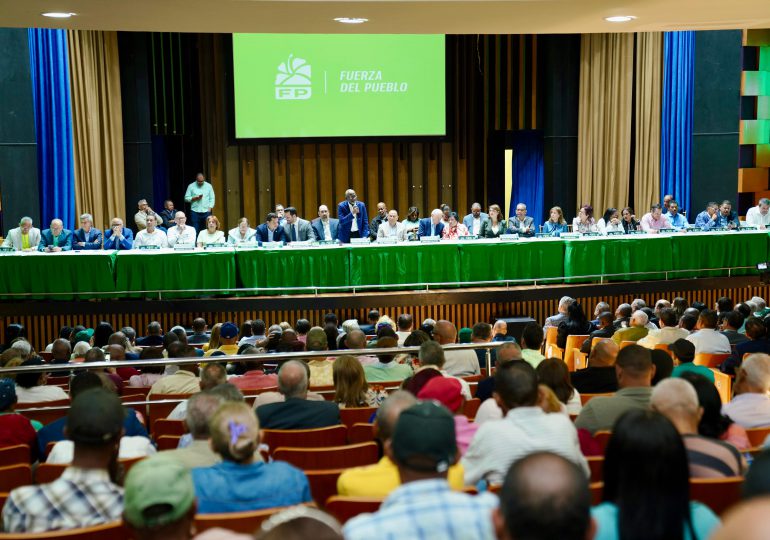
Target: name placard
[215, 246]
[592, 233]
[637, 232]
[327, 242]
[299, 243]
[387, 240]
[360, 241]
[747, 228]
[719, 229]
[430, 239]
[615, 233]
[667, 230]
[6, 249]
[509, 237]
[467, 237]
[185, 247]
[149, 247]
[694, 230]
[570, 235]
[272, 245]
[542, 235]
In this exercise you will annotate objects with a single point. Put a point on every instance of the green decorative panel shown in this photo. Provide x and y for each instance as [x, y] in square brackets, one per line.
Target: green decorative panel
[756, 83]
[756, 131]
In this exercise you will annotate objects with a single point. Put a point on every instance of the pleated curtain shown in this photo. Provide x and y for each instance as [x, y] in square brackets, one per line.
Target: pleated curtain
[97, 124]
[649, 80]
[604, 120]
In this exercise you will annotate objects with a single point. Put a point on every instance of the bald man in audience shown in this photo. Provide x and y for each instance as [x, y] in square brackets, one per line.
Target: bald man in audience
[117, 353]
[750, 407]
[599, 377]
[500, 331]
[457, 363]
[677, 400]
[634, 370]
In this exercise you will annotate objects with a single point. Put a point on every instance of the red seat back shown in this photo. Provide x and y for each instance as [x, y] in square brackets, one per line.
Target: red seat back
[13, 455]
[14, 476]
[331, 457]
[356, 415]
[305, 438]
[361, 432]
[345, 508]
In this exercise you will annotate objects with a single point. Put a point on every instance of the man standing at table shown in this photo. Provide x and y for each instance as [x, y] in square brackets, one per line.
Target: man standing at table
[654, 220]
[474, 220]
[118, 237]
[270, 231]
[200, 195]
[354, 222]
[296, 228]
[25, 237]
[87, 236]
[151, 236]
[180, 233]
[432, 226]
[521, 224]
[758, 216]
[324, 227]
[57, 238]
[379, 219]
[677, 220]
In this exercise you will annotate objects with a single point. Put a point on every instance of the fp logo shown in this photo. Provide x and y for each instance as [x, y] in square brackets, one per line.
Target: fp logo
[293, 79]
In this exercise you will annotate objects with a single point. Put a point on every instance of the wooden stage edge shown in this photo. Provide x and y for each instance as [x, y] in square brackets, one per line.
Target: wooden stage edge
[369, 299]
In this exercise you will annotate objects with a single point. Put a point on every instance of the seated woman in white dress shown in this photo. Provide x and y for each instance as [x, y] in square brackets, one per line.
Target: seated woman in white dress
[610, 222]
[212, 234]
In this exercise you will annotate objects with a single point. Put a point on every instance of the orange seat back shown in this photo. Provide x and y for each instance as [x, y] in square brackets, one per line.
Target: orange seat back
[13, 476]
[164, 426]
[240, 522]
[602, 438]
[758, 435]
[471, 408]
[716, 493]
[168, 442]
[44, 412]
[108, 531]
[710, 360]
[585, 398]
[596, 465]
[597, 488]
[330, 457]
[724, 384]
[573, 342]
[156, 411]
[305, 438]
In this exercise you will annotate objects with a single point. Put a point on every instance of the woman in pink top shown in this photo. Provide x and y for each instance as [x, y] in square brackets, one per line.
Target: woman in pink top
[454, 229]
[448, 392]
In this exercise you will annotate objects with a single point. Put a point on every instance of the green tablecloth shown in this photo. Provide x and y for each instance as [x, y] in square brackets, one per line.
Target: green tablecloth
[413, 263]
[718, 250]
[511, 260]
[45, 274]
[183, 272]
[287, 267]
[617, 255]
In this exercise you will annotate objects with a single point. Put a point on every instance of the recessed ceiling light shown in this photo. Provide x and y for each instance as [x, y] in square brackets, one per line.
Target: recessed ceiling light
[620, 18]
[351, 20]
[58, 14]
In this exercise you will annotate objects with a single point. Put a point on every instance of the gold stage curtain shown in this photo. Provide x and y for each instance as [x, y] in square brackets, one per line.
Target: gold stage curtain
[604, 120]
[97, 125]
[649, 80]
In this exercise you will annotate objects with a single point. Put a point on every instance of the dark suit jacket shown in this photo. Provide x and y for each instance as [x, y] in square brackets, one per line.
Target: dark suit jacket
[126, 243]
[425, 227]
[368, 329]
[487, 232]
[298, 414]
[346, 221]
[279, 234]
[601, 332]
[150, 341]
[485, 388]
[318, 228]
[571, 328]
[374, 226]
[513, 225]
[92, 239]
[305, 231]
[64, 241]
[593, 380]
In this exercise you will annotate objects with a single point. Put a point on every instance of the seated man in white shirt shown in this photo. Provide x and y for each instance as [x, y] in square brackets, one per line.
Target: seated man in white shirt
[706, 338]
[392, 228]
[458, 363]
[181, 233]
[474, 220]
[241, 234]
[750, 407]
[759, 216]
[525, 428]
[669, 330]
[151, 236]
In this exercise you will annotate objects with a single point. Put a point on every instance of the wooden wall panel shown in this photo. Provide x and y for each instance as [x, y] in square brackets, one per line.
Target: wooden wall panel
[43, 329]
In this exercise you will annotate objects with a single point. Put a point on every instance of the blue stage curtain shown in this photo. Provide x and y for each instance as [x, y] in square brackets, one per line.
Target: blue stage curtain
[53, 125]
[528, 173]
[676, 120]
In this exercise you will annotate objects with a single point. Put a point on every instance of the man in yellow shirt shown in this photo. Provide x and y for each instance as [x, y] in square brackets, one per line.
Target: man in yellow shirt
[228, 340]
[380, 479]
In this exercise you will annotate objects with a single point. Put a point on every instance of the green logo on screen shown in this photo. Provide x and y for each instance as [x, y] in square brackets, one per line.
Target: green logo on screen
[293, 79]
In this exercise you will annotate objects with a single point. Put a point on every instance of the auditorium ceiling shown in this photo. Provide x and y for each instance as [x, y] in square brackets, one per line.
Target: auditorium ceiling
[431, 16]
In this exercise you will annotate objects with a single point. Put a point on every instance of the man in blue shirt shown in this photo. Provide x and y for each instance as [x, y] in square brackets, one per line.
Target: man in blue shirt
[728, 217]
[87, 236]
[423, 447]
[57, 238]
[677, 220]
[118, 237]
[708, 219]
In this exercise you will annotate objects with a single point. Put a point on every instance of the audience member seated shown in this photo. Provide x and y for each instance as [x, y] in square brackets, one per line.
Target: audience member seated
[211, 376]
[350, 386]
[669, 331]
[200, 410]
[423, 448]
[605, 330]
[356, 340]
[184, 381]
[750, 407]
[431, 365]
[151, 236]
[757, 481]
[544, 497]
[707, 338]
[636, 330]
[60, 351]
[708, 457]
[684, 352]
[756, 332]
[199, 335]
[254, 376]
[448, 392]
[240, 482]
[296, 412]
[150, 374]
[731, 324]
[228, 340]
[86, 494]
[524, 428]
[80, 383]
[634, 370]
[154, 337]
[622, 316]
[386, 368]
[748, 520]
[15, 428]
[482, 333]
[599, 377]
[664, 365]
[646, 483]
[713, 423]
[553, 373]
[32, 387]
[320, 368]
[555, 320]
[458, 363]
[576, 323]
[531, 341]
[117, 353]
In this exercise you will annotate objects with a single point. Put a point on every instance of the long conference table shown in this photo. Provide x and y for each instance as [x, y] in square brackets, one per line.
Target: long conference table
[413, 265]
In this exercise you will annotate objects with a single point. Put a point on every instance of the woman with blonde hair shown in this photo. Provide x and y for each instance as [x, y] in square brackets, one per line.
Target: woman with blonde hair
[240, 482]
[213, 343]
[556, 223]
[495, 225]
[212, 234]
[350, 386]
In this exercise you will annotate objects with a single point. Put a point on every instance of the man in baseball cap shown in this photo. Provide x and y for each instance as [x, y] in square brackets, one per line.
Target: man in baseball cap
[228, 340]
[423, 448]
